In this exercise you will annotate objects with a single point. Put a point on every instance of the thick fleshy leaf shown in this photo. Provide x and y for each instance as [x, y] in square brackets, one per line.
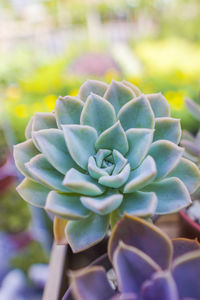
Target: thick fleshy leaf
[139, 204]
[126, 296]
[116, 181]
[119, 161]
[166, 155]
[133, 87]
[42, 170]
[87, 232]
[82, 184]
[161, 286]
[167, 129]
[33, 192]
[133, 268]
[191, 147]
[137, 113]
[28, 131]
[171, 193]
[139, 141]
[43, 121]
[193, 108]
[146, 237]
[186, 272]
[53, 146]
[182, 246]
[101, 155]
[113, 138]
[91, 284]
[95, 171]
[23, 153]
[68, 110]
[118, 94]
[104, 204]
[141, 176]
[187, 172]
[92, 86]
[66, 206]
[80, 141]
[159, 105]
[98, 113]
[59, 231]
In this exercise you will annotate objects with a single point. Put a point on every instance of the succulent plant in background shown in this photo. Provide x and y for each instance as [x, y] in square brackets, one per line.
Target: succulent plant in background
[188, 141]
[111, 150]
[146, 265]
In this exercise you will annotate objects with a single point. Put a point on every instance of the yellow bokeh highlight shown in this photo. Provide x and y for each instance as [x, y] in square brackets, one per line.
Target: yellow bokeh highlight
[111, 75]
[74, 93]
[50, 101]
[176, 99]
[21, 111]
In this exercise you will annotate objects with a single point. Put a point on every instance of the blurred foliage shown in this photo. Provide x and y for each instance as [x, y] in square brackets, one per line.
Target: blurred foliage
[32, 254]
[14, 212]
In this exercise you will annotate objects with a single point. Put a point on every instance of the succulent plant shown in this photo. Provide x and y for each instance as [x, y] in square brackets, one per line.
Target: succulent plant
[111, 150]
[190, 142]
[146, 264]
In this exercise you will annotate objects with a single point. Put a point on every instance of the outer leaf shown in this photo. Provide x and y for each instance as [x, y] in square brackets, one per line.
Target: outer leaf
[187, 172]
[53, 146]
[23, 153]
[82, 184]
[68, 110]
[186, 271]
[43, 121]
[92, 86]
[113, 138]
[162, 286]
[137, 113]
[133, 87]
[193, 108]
[133, 267]
[98, 113]
[159, 105]
[40, 168]
[99, 287]
[59, 231]
[33, 192]
[166, 155]
[28, 131]
[146, 237]
[139, 204]
[104, 204]
[171, 193]
[85, 233]
[182, 246]
[80, 141]
[116, 181]
[139, 141]
[167, 129]
[118, 94]
[141, 176]
[66, 206]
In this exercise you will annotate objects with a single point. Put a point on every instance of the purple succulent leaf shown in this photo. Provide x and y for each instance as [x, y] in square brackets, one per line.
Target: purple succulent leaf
[186, 273]
[91, 283]
[182, 246]
[191, 147]
[162, 286]
[144, 236]
[193, 108]
[125, 296]
[133, 267]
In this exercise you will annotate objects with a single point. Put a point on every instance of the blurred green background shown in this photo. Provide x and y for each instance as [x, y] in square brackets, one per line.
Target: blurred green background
[49, 47]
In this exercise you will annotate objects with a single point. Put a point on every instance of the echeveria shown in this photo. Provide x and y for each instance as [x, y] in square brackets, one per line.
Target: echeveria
[108, 151]
[146, 266]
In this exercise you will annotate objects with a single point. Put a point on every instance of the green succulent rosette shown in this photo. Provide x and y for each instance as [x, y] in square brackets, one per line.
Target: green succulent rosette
[109, 151]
